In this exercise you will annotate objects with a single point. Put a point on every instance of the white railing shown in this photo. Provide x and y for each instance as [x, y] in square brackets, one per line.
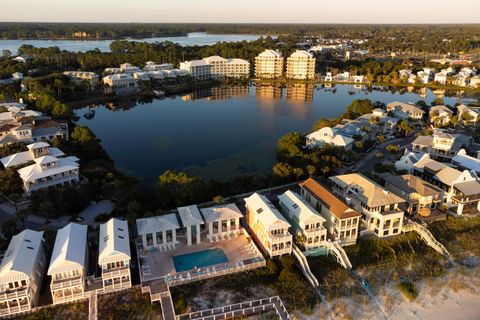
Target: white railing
[125, 271]
[19, 293]
[61, 284]
[339, 254]
[304, 266]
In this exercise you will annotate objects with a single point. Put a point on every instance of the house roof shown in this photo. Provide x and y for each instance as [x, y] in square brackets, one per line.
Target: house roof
[21, 256]
[411, 184]
[190, 216]
[300, 208]
[265, 211]
[369, 191]
[38, 145]
[222, 212]
[447, 175]
[69, 251]
[34, 171]
[468, 188]
[301, 54]
[405, 107]
[26, 156]
[159, 223]
[336, 206]
[114, 244]
[270, 53]
[441, 108]
[426, 162]
[465, 161]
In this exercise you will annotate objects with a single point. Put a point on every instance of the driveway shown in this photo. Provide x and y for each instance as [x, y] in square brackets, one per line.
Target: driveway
[94, 209]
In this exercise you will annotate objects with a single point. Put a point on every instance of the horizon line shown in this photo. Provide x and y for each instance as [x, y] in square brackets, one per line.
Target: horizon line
[255, 23]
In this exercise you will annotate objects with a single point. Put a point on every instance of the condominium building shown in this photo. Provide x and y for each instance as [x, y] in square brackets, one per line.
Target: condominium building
[342, 222]
[222, 222]
[307, 223]
[269, 64]
[78, 77]
[300, 92]
[68, 265]
[268, 225]
[216, 67]
[21, 273]
[301, 65]
[380, 208]
[49, 171]
[420, 196]
[114, 255]
[405, 111]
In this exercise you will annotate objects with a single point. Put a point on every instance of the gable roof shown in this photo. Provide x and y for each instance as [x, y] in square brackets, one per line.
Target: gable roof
[300, 208]
[265, 211]
[21, 256]
[113, 244]
[69, 251]
[164, 222]
[336, 206]
[405, 107]
[464, 160]
[190, 216]
[222, 212]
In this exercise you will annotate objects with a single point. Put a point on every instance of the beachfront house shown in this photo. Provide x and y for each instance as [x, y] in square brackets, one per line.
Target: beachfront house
[114, 255]
[159, 232]
[268, 226]
[192, 224]
[342, 222]
[307, 224]
[420, 196]
[222, 222]
[380, 208]
[21, 273]
[68, 265]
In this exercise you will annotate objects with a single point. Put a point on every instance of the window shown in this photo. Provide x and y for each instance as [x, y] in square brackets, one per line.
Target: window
[385, 233]
[159, 237]
[149, 238]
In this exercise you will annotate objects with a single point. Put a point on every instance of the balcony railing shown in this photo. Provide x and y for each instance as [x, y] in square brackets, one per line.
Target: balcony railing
[14, 294]
[60, 284]
[15, 309]
[109, 274]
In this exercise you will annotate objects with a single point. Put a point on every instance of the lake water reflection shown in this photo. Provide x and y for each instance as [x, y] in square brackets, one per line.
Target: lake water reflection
[218, 132]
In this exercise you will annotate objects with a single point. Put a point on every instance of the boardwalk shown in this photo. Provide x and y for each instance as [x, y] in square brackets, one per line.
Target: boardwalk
[168, 313]
[272, 304]
[92, 306]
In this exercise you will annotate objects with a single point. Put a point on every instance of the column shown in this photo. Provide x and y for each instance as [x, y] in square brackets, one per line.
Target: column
[210, 230]
[197, 227]
[228, 226]
[189, 236]
[478, 205]
[174, 236]
[164, 237]
[144, 240]
[460, 208]
[154, 238]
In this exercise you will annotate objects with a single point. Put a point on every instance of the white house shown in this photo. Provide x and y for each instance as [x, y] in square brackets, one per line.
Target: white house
[35, 150]
[441, 78]
[382, 215]
[49, 171]
[222, 222]
[465, 162]
[468, 115]
[268, 226]
[160, 231]
[114, 255]
[441, 145]
[192, 223]
[69, 263]
[326, 135]
[21, 273]
[120, 81]
[407, 161]
[405, 110]
[440, 115]
[306, 221]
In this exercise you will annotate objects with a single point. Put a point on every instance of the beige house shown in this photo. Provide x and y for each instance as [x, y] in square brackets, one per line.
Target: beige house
[160, 232]
[403, 110]
[306, 222]
[440, 115]
[342, 222]
[380, 208]
[68, 265]
[441, 145]
[301, 65]
[269, 64]
[268, 226]
[222, 222]
[114, 255]
[78, 77]
[21, 273]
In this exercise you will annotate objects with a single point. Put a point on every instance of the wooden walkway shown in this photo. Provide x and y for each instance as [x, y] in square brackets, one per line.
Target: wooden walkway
[248, 308]
[93, 306]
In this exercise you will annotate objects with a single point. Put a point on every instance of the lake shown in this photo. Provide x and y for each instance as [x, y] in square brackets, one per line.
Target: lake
[191, 39]
[219, 132]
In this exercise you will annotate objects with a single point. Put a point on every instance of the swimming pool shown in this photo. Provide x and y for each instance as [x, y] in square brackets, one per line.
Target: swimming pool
[199, 259]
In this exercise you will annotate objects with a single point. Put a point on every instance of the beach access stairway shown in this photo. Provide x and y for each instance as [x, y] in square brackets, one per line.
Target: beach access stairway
[426, 236]
[240, 310]
[339, 253]
[304, 266]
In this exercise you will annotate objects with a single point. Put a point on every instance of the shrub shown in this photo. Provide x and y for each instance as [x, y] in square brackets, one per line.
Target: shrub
[408, 289]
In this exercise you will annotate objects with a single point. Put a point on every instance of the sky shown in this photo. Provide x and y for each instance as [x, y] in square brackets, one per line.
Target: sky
[246, 11]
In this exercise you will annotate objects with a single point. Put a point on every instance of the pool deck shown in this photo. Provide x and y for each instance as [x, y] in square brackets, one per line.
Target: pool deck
[159, 264]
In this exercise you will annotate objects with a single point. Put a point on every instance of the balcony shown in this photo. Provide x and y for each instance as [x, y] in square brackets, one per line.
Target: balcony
[66, 283]
[15, 309]
[14, 294]
[115, 273]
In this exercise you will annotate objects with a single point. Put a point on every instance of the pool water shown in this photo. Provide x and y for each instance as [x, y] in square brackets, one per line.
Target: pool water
[199, 259]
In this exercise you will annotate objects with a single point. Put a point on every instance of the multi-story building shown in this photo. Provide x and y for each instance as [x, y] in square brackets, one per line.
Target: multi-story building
[78, 77]
[441, 145]
[120, 81]
[268, 226]
[216, 67]
[152, 66]
[420, 196]
[68, 265]
[300, 92]
[380, 208]
[49, 171]
[222, 222]
[114, 255]
[35, 150]
[21, 273]
[307, 223]
[269, 65]
[301, 65]
[405, 111]
[342, 222]
[468, 115]
[268, 91]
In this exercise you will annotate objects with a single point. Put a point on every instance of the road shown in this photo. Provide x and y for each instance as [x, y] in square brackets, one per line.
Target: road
[367, 163]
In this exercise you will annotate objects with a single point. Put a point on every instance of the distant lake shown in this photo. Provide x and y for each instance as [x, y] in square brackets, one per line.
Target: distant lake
[219, 132]
[191, 39]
